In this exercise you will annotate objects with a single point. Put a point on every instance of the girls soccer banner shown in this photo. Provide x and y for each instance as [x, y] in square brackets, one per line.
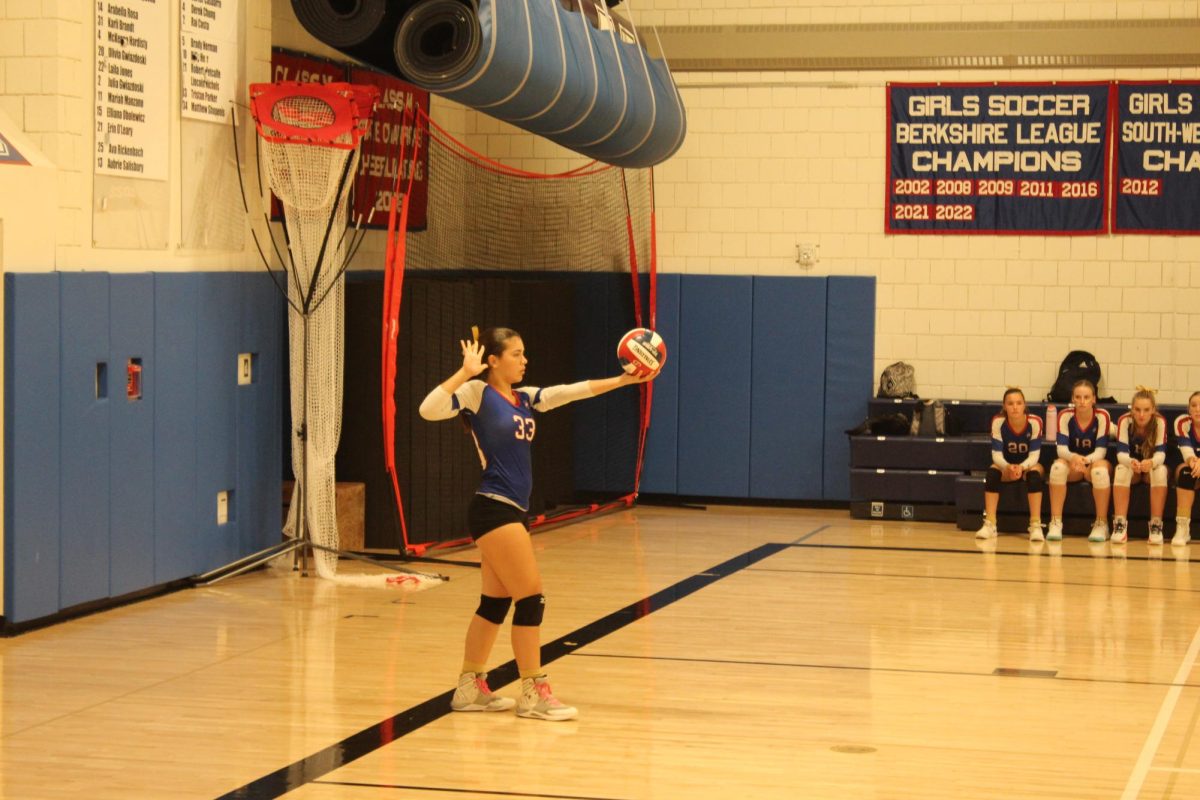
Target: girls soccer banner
[1158, 158]
[997, 158]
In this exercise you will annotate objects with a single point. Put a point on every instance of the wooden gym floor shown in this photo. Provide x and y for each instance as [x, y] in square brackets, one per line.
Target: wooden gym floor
[764, 653]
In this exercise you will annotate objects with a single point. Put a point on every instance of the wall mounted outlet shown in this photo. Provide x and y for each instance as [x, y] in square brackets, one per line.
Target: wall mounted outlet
[222, 508]
[245, 369]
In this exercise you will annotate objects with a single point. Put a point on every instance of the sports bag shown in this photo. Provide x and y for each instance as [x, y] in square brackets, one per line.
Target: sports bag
[897, 380]
[1078, 365]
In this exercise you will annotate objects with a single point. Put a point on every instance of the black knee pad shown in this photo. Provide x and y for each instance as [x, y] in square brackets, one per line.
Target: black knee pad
[1035, 482]
[992, 482]
[529, 610]
[493, 609]
[1186, 480]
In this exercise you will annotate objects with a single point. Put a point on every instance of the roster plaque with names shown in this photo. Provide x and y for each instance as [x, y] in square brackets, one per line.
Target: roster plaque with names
[208, 39]
[132, 88]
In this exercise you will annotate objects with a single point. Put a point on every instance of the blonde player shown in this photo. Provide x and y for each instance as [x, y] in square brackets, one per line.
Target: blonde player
[1141, 458]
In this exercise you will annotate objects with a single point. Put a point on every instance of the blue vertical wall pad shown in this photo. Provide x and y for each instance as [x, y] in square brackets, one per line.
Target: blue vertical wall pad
[106, 496]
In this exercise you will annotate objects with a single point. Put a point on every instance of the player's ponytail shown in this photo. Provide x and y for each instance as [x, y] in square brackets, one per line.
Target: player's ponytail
[1148, 441]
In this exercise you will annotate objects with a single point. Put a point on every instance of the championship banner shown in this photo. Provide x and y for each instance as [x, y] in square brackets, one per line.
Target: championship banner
[997, 158]
[393, 135]
[1157, 181]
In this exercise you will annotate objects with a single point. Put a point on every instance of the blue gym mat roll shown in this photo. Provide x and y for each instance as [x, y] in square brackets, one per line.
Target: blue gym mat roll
[579, 82]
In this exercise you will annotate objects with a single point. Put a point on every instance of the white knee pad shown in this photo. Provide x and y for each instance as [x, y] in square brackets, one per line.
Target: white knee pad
[1058, 473]
[1099, 476]
[1124, 476]
[1158, 476]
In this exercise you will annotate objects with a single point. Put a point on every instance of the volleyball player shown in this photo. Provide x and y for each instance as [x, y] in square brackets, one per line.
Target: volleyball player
[1082, 440]
[502, 422]
[1016, 448]
[1141, 457]
[1187, 431]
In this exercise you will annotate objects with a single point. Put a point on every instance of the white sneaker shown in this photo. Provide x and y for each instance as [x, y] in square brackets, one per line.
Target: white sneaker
[986, 531]
[539, 702]
[1054, 532]
[1156, 533]
[1182, 532]
[1035, 532]
[1120, 532]
[473, 694]
[1099, 532]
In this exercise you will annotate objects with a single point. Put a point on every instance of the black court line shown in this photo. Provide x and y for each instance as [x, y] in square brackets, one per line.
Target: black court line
[368, 740]
[809, 535]
[900, 670]
[771, 570]
[451, 790]
[977, 552]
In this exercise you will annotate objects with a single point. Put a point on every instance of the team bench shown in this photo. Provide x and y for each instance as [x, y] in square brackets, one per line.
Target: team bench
[940, 479]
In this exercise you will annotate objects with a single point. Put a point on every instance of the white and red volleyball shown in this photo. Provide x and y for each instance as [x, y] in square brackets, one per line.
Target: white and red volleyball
[641, 352]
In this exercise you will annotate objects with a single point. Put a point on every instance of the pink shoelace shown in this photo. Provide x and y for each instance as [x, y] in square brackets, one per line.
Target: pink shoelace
[543, 689]
[481, 684]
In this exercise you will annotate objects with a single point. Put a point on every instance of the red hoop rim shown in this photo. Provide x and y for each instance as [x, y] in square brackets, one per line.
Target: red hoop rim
[352, 105]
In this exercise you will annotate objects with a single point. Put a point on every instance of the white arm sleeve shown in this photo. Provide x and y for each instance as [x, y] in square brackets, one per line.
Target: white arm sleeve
[1064, 452]
[1097, 455]
[440, 404]
[554, 396]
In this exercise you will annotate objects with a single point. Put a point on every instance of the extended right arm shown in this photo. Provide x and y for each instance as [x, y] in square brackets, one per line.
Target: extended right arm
[439, 403]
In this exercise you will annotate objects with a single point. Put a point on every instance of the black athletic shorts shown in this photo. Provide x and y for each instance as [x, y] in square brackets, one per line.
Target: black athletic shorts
[485, 514]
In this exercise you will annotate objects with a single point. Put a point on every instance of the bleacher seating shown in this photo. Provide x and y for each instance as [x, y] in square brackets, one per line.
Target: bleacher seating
[941, 478]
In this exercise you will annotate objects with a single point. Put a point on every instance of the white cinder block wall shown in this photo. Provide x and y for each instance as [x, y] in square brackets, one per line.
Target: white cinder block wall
[47, 75]
[772, 160]
[776, 159]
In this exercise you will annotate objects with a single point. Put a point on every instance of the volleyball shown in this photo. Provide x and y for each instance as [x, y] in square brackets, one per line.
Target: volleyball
[641, 352]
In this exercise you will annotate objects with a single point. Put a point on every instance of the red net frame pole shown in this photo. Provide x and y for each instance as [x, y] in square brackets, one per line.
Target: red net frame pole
[394, 270]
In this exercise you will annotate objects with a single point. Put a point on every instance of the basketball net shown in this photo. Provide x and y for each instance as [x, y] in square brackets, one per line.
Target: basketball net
[310, 136]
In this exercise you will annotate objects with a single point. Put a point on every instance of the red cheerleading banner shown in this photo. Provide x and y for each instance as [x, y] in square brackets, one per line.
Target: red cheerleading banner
[1157, 182]
[393, 132]
[1007, 158]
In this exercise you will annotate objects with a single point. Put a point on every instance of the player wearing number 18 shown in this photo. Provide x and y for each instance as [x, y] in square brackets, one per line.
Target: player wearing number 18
[502, 423]
[1082, 440]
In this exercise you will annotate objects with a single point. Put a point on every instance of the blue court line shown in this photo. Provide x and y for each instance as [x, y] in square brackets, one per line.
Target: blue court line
[368, 740]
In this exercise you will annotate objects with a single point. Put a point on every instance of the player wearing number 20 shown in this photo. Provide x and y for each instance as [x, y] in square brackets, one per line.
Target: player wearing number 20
[502, 423]
[1016, 450]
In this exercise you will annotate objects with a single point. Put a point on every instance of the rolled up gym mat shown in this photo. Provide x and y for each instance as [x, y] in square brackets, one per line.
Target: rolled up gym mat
[532, 63]
[347, 23]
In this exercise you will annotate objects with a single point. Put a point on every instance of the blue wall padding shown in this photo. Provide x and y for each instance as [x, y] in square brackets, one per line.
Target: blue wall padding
[218, 316]
[103, 496]
[260, 409]
[176, 511]
[787, 388]
[131, 422]
[660, 471]
[84, 447]
[849, 373]
[714, 385]
[31, 432]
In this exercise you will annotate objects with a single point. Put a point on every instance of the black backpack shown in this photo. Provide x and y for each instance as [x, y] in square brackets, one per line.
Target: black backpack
[1077, 366]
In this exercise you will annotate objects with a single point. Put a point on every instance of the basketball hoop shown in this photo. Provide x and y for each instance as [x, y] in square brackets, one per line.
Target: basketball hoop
[310, 136]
